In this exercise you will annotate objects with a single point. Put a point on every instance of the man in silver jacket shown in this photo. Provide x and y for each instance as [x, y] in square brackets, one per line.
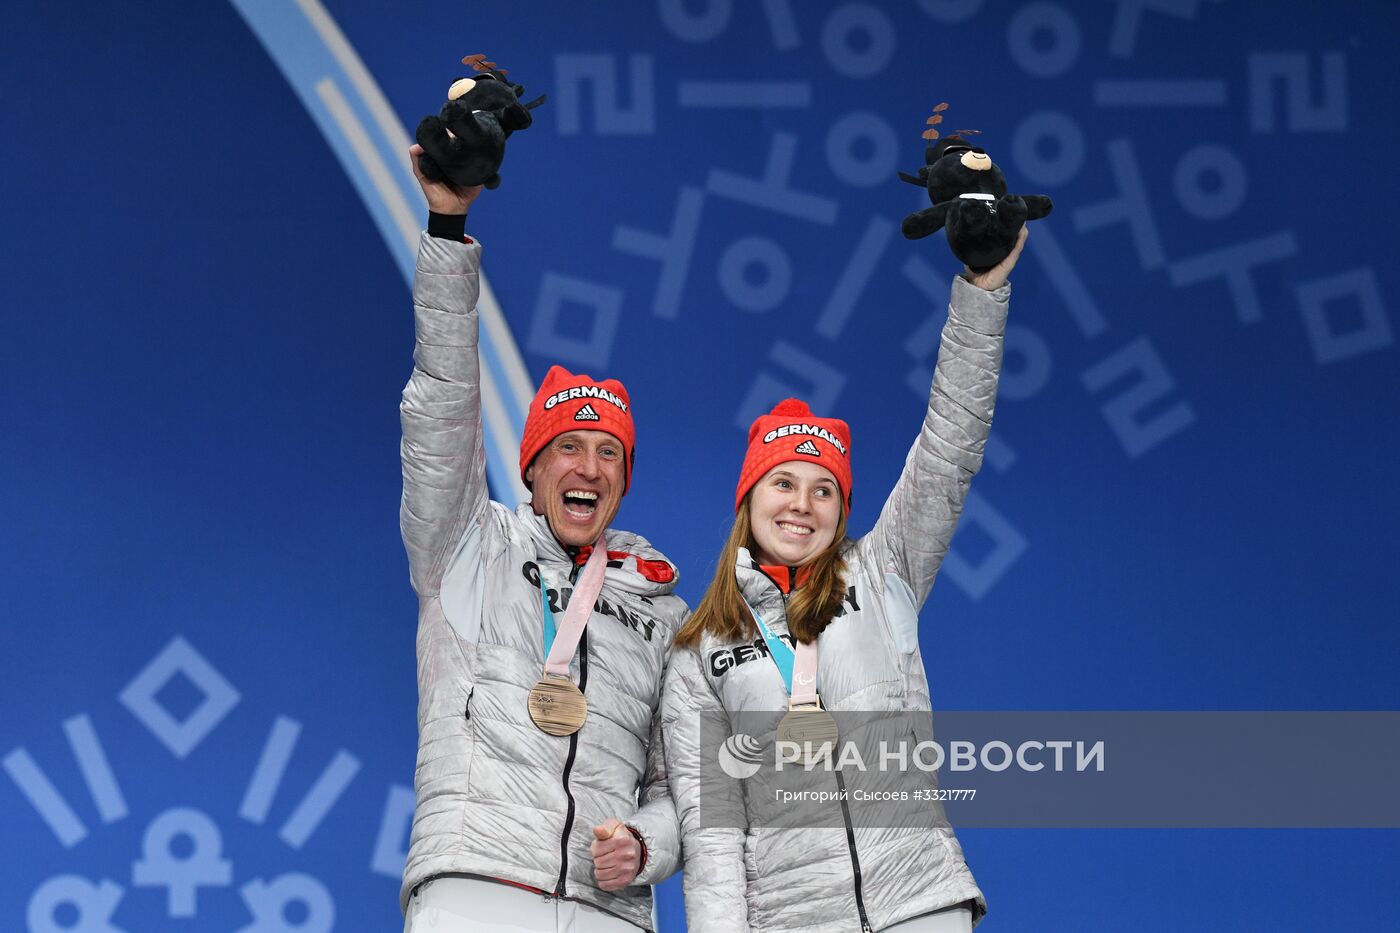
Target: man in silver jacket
[513, 827]
[747, 865]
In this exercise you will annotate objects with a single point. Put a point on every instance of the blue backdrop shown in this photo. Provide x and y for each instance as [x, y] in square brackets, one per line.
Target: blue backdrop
[208, 693]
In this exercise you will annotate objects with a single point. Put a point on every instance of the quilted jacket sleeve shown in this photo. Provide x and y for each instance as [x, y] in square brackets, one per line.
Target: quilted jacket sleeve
[911, 537]
[444, 462]
[710, 810]
[655, 818]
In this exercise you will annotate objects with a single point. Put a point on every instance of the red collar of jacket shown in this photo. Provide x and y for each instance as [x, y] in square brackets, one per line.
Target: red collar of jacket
[783, 576]
[657, 571]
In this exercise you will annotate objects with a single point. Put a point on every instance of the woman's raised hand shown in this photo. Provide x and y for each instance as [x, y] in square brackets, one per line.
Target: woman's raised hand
[997, 275]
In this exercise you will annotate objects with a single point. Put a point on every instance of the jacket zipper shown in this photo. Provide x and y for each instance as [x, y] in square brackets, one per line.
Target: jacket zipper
[783, 593]
[855, 860]
[573, 749]
[845, 808]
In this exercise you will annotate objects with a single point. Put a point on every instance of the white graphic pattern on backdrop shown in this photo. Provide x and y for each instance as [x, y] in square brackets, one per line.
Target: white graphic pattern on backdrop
[198, 861]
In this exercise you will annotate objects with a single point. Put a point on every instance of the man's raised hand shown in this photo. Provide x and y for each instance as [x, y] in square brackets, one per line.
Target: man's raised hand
[443, 196]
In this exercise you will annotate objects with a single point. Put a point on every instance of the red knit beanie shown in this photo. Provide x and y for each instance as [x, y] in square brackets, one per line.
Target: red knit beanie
[791, 432]
[566, 402]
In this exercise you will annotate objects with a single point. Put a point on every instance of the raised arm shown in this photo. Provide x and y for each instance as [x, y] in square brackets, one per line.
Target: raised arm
[711, 809]
[444, 462]
[911, 537]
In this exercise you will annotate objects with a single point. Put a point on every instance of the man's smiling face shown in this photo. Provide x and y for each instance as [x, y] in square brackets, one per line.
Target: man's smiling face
[577, 483]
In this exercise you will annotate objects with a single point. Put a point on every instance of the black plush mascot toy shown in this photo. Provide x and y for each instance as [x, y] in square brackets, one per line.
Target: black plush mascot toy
[969, 198]
[466, 142]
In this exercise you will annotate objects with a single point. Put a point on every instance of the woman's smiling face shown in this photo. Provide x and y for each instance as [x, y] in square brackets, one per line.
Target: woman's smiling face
[794, 511]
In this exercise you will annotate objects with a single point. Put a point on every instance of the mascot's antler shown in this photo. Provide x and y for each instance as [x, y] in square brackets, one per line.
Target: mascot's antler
[479, 63]
[932, 152]
[934, 120]
[931, 134]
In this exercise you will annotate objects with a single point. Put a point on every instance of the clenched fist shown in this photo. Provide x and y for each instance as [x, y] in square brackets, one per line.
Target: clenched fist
[617, 855]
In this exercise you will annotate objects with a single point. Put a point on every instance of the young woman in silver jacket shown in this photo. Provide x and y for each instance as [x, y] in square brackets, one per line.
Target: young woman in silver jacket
[789, 576]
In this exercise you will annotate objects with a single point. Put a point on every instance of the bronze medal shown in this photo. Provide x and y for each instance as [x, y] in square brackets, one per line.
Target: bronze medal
[812, 728]
[557, 706]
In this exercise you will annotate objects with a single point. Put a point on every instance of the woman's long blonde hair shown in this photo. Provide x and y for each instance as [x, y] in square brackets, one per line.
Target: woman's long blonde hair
[723, 613]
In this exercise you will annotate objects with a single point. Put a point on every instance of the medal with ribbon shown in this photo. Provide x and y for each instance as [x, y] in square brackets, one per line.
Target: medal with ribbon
[557, 706]
[807, 724]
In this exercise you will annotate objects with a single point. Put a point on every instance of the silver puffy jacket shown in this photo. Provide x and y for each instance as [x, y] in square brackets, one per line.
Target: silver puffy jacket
[496, 797]
[856, 877]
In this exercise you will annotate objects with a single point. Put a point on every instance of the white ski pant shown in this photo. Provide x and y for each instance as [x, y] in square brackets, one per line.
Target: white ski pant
[473, 905]
[466, 905]
[949, 920]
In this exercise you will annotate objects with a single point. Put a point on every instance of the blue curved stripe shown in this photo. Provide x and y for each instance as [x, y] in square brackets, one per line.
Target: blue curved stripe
[372, 156]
